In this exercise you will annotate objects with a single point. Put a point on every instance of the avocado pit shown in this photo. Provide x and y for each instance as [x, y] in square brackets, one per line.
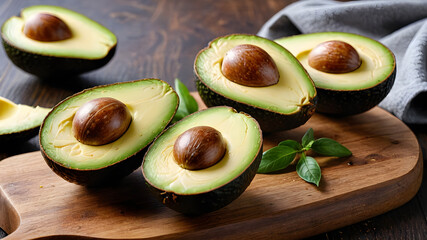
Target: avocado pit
[45, 27]
[198, 148]
[250, 65]
[101, 121]
[334, 57]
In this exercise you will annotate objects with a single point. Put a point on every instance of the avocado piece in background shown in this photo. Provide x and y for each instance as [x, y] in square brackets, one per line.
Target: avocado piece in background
[49, 49]
[151, 103]
[19, 122]
[351, 92]
[284, 105]
[194, 192]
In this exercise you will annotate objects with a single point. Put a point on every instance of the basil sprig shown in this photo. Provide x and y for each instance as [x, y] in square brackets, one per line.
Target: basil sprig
[187, 103]
[281, 156]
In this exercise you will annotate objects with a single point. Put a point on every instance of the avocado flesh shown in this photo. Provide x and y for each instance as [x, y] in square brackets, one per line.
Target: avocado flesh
[294, 89]
[91, 46]
[243, 141]
[194, 192]
[378, 62]
[17, 119]
[89, 39]
[285, 105]
[152, 104]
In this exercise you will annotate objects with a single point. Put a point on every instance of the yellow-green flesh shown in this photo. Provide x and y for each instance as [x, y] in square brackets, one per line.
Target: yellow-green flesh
[377, 60]
[89, 40]
[18, 117]
[241, 134]
[151, 103]
[294, 89]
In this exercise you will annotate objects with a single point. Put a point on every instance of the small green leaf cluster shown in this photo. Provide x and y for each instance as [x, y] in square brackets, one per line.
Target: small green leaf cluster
[281, 156]
[187, 103]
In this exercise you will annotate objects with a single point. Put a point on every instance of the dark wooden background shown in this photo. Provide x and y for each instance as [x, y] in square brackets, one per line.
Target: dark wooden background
[160, 39]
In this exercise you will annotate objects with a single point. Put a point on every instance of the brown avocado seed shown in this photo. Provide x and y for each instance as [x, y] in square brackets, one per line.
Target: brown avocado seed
[334, 57]
[45, 27]
[250, 65]
[198, 148]
[101, 121]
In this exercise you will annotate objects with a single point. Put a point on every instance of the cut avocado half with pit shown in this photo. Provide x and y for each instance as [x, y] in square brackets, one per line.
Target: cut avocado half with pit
[89, 46]
[195, 192]
[351, 92]
[285, 105]
[151, 103]
[19, 122]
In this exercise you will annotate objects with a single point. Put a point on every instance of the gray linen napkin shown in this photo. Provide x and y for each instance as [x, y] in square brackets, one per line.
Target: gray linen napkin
[400, 25]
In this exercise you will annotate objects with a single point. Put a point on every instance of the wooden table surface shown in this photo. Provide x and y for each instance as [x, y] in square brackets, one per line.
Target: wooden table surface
[160, 39]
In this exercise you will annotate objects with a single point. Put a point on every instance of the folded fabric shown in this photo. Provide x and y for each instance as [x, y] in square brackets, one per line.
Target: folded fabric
[399, 25]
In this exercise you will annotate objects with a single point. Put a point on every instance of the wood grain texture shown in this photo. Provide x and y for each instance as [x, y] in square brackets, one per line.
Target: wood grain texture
[384, 172]
[160, 38]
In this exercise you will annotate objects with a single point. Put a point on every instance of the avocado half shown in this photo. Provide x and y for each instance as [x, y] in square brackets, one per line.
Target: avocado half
[353, 92]
[152, 104]
[91, 45]
[19, 122]
[285, 105]
[194, 192]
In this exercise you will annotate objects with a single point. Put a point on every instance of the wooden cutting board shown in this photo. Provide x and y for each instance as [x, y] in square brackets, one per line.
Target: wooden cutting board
[384, 172]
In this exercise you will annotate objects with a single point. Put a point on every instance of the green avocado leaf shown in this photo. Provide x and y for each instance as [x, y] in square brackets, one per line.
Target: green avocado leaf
[330, 147]
[308, 138]
[276, 158]
[292, 144]
[187, 103]
[309, 170]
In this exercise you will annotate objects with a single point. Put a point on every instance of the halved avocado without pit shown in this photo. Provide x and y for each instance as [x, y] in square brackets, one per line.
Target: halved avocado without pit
[19, 122]
[213, 186]
[51, 41]
[130, 114]
[278, 93]
[349, 92]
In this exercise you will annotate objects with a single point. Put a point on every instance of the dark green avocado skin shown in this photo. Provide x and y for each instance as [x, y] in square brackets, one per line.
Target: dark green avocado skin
[198, 204]
[353, 102]
[97, 177]
[50, 66]
[16, 137]
[268, 120]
